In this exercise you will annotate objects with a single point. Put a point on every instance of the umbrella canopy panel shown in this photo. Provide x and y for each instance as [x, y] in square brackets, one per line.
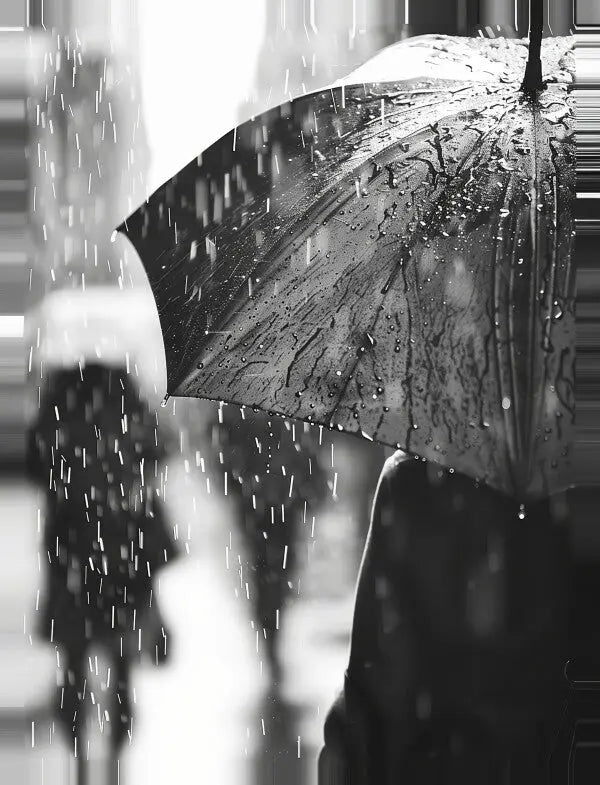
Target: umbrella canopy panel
[388, 258]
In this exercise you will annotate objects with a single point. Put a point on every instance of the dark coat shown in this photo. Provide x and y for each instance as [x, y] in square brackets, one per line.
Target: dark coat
[459, 634]
[277, 475]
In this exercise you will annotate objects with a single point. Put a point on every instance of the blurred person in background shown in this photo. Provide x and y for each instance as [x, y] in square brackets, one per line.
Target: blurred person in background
[96, 450]
[275, 471]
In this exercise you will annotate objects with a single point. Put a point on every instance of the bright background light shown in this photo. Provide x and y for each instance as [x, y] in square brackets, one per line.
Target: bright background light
[197, 63]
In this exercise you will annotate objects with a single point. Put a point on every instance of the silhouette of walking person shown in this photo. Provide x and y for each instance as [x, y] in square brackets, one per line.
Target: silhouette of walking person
[275, 473]
[96, 450]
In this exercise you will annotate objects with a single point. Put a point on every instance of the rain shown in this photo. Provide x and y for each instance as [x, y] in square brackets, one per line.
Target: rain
[212, 391]
[104, 449]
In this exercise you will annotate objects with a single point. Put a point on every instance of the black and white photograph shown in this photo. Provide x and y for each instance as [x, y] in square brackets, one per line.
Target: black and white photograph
[300, 399]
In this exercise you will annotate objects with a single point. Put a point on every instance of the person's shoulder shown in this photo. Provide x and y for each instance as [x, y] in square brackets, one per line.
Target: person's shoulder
[402, 486]
[402, 467]
[400, 461]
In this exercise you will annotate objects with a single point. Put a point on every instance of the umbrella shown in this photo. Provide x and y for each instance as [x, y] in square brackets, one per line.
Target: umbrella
[389, 257]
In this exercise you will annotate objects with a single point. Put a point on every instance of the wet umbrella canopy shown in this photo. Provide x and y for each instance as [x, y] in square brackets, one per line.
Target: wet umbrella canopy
[389, 257]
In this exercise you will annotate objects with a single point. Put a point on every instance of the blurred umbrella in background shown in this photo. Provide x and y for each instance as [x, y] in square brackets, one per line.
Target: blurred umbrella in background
[96, 449]
[403, 270]
[71, 327]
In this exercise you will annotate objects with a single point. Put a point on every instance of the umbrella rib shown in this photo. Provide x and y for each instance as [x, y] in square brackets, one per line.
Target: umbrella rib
[535, 229]
[498, 272]
[569, 264]
[515, 398]
[551, 287]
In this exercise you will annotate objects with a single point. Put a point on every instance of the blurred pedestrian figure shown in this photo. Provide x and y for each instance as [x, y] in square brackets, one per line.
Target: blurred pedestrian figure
[96, 450]
[275, 471]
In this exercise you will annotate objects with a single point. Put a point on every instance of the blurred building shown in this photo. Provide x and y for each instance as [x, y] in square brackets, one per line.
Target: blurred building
[26, 669]
[87, 168]
[20, 65]
[92, 154]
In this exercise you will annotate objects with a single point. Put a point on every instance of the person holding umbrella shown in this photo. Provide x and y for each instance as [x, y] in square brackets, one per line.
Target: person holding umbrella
[95, 449]
[403, 272]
